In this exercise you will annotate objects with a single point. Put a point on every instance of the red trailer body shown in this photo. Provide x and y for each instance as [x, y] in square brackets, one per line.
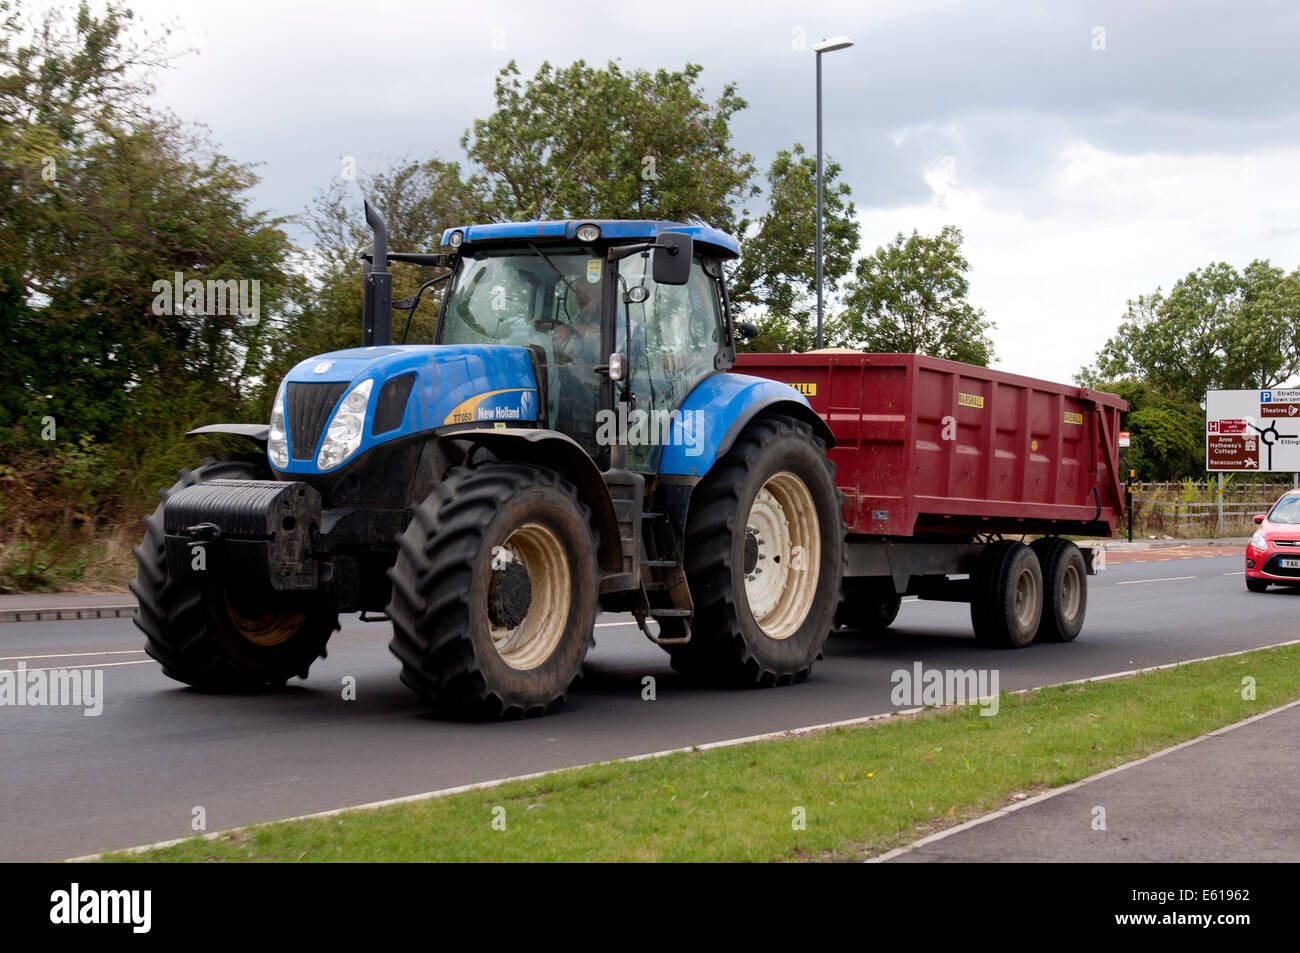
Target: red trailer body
[926, 446]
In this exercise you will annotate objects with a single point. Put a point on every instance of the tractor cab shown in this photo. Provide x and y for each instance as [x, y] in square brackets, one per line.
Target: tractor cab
[627, 318]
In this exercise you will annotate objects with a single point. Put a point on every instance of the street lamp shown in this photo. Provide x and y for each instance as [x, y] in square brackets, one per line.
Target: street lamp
[825, 46]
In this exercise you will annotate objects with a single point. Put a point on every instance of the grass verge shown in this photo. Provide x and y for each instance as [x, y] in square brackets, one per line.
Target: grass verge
[862, 789]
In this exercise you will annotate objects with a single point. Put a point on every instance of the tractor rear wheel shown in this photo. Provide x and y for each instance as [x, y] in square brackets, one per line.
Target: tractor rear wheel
[494, 592]
[764, 555]
[224, 638]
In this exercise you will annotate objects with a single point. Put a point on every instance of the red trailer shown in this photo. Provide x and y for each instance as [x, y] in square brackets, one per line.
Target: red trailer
[941, 464]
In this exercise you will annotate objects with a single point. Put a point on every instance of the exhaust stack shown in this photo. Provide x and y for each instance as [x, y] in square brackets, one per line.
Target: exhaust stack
[377, 302]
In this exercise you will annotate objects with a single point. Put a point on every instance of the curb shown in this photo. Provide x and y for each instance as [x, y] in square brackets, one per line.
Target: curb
[61, 613]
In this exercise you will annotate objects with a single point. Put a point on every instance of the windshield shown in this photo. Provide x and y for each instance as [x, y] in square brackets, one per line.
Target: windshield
[1287, 510]
[517, 296]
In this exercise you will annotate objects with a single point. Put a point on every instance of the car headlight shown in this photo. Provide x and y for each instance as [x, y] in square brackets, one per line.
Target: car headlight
[277, 445]
[1258, 541]
[343, 435]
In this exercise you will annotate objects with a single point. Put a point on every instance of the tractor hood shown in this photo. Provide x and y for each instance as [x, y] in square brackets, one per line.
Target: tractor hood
[391, 392]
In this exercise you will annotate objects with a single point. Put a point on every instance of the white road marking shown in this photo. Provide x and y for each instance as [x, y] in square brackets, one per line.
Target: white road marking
[1138, 582]
[1240, 572]
[20, 658]
[59, 668]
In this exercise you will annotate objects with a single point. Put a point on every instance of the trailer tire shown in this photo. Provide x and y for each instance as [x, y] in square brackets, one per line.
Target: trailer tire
[1007, 595]
[228, 639]
[868, 612]
[1065, 588]
[495, 592]
[771, 497]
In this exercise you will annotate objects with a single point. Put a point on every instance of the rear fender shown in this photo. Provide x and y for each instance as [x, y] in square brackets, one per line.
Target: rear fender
[717, 410]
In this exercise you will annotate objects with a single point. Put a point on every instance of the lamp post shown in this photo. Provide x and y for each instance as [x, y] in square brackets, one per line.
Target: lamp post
[825, 46]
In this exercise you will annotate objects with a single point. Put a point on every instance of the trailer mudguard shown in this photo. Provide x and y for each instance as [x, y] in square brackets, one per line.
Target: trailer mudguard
[715, 412]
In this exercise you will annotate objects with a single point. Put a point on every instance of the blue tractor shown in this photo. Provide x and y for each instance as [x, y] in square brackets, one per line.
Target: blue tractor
[572, 440]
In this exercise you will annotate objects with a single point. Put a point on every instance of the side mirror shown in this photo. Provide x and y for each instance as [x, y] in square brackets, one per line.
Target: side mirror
[746, 330]
[672, 263]
[1259, 518]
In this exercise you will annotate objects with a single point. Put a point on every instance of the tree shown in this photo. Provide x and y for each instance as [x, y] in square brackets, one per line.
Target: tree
[581, 142]
[419, 200]
[1217, 329]
[910, 297]
[775, 280]
[129, 197]
[1166, 431]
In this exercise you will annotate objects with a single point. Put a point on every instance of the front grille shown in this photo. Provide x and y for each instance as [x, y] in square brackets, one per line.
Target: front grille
[1286, 542]
[309, 407]
[1273, 569]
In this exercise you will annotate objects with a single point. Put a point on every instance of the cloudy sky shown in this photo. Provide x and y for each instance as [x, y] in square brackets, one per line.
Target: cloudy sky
[1091, 152]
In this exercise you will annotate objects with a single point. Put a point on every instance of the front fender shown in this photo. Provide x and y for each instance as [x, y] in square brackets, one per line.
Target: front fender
[564, 455]
[719, 407]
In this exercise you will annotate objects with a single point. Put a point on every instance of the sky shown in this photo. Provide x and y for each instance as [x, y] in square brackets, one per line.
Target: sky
[1090, 152]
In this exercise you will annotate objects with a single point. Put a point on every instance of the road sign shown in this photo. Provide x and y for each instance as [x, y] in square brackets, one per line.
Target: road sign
[1252, 430]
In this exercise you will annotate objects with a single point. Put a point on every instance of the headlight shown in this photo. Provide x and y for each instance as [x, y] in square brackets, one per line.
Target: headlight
[277, 447]
[343, 435]
[588, 233]
[455, 239]
[1258, 541]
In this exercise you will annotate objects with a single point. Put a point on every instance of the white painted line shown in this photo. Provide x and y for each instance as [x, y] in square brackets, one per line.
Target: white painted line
[1240, 572]
[19, 658]
[1138, 582]
[1066, 789]
[606, 625]
[707, 746]
[60, 668]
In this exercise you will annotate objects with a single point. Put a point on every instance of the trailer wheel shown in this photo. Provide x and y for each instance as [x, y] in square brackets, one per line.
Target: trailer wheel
[1007, 595]
[868, 612]
[494, 592]
[1065, 587]
[764, 555]
[224, 639]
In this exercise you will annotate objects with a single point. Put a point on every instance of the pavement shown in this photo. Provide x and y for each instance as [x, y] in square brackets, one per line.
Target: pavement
[1231, 796]
[135, 774]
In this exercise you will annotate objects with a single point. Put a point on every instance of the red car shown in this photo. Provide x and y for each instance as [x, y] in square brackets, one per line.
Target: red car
[1273, 553]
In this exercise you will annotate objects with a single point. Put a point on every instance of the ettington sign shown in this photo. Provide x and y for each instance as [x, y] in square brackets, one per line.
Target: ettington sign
[1252, 430]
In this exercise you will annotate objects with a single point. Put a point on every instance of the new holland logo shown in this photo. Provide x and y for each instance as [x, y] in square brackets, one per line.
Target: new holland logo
[808, 390]
[970, 400]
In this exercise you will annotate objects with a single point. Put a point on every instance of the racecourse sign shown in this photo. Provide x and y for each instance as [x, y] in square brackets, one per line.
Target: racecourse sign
[1251, 431]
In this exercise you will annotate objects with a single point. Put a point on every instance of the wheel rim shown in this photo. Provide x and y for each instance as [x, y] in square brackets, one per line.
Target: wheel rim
[1026, 599]
[265, 629]
[1071, 591]
[533, 641]
[782, 555]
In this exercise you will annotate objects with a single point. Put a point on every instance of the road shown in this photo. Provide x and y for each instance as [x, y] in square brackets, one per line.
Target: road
[73, 785]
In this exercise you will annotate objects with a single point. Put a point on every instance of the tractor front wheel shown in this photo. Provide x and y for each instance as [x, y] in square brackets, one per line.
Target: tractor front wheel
[494, 592]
